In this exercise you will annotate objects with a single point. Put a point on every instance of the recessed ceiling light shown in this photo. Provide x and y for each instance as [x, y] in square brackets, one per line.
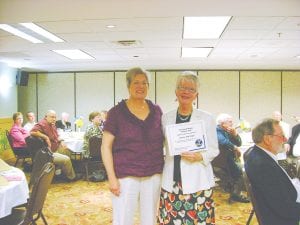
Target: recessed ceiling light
[195, 52]
[19, 33]
[110, 26]
[42, 32]
[74, 54]
[204, 27]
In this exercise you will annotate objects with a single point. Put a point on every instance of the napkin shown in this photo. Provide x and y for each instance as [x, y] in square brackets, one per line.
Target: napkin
[12, 177]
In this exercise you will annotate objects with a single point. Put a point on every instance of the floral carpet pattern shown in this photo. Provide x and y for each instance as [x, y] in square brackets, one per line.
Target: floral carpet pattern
[83, 203]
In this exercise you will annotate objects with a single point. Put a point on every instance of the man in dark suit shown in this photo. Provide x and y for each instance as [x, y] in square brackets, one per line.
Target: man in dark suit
[64, 123]
[273, 189]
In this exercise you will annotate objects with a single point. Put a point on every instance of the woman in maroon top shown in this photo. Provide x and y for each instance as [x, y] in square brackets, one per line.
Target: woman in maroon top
[132, 152]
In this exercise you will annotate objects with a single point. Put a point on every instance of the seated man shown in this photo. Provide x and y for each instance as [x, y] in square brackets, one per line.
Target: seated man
[275, 193]
[64, 123]
[18, 135]
[291, 146]
[46, 130]
[229, 157]
[30, 121]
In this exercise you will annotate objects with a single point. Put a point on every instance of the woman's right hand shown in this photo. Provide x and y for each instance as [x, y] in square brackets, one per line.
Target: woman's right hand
[114, 186]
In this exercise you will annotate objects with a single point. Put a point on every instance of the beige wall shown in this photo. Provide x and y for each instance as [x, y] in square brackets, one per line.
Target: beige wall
[55, 91]
[251, 95]
[27, 96]
[290, 95]
[94, 92]
[8, 91]
[260, 94]
[219, 92]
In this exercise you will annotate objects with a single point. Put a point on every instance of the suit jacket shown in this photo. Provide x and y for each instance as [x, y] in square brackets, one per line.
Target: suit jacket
[59, 124]
[194, 176]
[275, 194]
[294, 136]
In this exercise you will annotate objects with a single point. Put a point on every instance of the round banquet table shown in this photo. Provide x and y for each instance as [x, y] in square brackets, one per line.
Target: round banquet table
[14, 191]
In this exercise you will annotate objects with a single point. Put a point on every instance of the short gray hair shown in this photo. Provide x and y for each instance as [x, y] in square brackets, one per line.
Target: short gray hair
[49, 112]
[223, 117]
[131, 73]
[266, 127]
[188, 76]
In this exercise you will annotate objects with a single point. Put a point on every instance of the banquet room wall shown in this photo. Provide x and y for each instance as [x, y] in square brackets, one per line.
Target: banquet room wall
[250, 95]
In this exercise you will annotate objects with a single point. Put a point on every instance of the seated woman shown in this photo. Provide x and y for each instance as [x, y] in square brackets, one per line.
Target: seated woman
[92, 130]
[18, 135]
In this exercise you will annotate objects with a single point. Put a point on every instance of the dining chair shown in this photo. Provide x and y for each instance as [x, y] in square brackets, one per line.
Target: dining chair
[95, 155]
[33, 210]
[23, 156]
[222, 171]
[253, 201]
[42, 157]
[34, 144]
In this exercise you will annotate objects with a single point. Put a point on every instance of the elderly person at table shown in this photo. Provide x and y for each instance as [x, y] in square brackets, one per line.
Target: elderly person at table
[64, 123]
[132, 152]
[18, 135]
[46, 130]
[187, 181]
[30, 121]
[229, 158]
[92, 130]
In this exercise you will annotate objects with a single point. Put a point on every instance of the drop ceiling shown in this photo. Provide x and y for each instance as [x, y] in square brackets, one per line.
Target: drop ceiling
[261, 35]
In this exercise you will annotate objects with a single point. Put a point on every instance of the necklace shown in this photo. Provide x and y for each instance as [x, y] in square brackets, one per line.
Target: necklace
[183, 118]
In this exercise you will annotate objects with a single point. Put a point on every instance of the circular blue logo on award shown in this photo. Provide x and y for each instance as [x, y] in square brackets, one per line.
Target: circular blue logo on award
[199, 142]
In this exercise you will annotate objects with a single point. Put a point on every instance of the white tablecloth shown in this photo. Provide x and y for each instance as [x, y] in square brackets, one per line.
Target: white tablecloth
[15, 193]
[73, 141]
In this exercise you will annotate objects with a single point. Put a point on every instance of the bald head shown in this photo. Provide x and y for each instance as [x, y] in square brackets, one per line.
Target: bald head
[51, 117]
[276, 115]
[65, 117]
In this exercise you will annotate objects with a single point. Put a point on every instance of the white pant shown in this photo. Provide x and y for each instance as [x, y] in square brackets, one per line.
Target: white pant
[134, 190]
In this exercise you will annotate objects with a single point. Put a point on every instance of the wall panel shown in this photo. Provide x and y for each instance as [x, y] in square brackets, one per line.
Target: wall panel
[165, 90]
[260, 94]
[94, 92]
[27, 98]
[290, 96]
[219, 92]
[56, 91]
[8, 91]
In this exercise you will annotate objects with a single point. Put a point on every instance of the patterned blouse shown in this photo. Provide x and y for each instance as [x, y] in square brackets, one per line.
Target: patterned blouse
[90, 131]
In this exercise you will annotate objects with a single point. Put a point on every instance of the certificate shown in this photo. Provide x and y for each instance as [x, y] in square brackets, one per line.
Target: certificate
[186, 137]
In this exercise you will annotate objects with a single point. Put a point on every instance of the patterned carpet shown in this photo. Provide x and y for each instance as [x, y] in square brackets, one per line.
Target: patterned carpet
[83, 203]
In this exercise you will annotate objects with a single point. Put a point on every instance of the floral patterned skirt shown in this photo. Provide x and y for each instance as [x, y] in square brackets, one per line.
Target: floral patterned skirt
[186, 209]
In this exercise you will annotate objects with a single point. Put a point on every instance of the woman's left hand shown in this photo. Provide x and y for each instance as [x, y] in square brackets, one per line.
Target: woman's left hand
[192, 156]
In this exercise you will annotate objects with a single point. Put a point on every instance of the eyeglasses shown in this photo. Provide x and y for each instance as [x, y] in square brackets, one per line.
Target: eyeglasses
[279, 135]
[136, 83]
[190, 90]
